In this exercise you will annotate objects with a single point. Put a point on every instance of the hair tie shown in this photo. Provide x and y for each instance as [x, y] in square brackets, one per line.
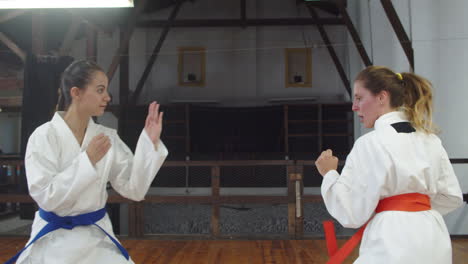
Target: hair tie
[399, 76]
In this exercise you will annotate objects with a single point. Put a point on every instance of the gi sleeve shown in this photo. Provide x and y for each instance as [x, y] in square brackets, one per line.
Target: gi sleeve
[351, 198]
[132, 175]
[51, 188]
[449, 195]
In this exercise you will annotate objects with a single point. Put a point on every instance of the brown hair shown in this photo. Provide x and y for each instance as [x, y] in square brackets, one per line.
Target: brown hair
[78, 74]
[409, 92]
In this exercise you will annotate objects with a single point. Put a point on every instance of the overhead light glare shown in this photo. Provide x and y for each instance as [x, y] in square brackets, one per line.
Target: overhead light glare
[26, 4]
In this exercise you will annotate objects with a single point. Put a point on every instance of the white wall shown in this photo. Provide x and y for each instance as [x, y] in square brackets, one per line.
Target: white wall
[438, 30]
[441, 55]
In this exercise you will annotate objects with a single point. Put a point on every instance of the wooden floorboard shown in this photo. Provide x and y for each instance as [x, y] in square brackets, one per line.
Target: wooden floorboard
[226, 251]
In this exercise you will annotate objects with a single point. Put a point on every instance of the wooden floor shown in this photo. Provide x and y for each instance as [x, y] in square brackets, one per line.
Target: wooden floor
[226, 251]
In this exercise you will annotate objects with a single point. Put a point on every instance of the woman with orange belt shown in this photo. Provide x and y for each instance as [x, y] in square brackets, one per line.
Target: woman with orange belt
[397, 181]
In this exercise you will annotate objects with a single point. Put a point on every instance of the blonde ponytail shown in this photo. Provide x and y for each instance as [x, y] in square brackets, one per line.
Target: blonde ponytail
[417, 103]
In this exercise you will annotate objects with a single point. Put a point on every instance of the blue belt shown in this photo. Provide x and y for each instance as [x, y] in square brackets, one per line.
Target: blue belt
[55, 222]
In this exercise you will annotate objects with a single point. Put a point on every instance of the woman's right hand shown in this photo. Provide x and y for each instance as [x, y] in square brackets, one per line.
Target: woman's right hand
[97, 148]
[326, 162]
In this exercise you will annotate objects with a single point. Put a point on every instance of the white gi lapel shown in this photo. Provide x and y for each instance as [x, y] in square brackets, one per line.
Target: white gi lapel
[66, 138]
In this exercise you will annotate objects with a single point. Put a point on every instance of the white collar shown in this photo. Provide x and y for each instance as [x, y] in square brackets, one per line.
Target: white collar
[390, 118]
[58, 119]
[60, 123]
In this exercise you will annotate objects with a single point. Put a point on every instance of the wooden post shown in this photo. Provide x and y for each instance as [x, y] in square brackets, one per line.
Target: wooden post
[299, 183]
[215, 183]
[286, 129]
[291, 171]
[131, 220]
[135, 219]
[139, 219]
[124, 89]
[187, 130]
[320, 128]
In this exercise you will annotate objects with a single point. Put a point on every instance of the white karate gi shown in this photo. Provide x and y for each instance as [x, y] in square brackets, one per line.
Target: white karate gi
[385, 163]
[61, 179]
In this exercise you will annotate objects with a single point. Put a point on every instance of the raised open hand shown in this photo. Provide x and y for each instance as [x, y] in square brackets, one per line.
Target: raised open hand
[153, 123]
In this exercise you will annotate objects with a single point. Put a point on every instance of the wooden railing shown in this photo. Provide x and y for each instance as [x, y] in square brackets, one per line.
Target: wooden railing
[295, 197]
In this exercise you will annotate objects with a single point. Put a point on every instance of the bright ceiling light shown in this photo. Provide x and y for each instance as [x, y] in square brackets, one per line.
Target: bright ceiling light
[25, 4]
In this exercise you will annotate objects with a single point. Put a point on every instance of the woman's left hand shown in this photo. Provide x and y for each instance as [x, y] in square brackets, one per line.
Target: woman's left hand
[154, 122]
[326, 162]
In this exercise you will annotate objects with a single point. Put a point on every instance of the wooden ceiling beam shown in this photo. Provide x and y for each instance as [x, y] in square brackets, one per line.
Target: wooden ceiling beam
[13, 47]
[127, 34]
[399, 30]
[353, 32]
[240, 22]
[70, 36]
[155, 53]
[12, 14]
[331, 50]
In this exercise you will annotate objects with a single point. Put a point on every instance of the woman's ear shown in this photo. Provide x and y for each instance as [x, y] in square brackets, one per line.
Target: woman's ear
[383, 97]
[75, 92]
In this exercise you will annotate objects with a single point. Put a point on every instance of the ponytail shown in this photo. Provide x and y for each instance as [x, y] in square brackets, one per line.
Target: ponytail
[417, 103]
[60, 102]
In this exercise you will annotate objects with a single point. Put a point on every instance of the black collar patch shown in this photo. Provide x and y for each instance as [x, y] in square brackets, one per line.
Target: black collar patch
[403, 127]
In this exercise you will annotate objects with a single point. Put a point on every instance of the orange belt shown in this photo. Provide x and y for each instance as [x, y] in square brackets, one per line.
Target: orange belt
[409, 202]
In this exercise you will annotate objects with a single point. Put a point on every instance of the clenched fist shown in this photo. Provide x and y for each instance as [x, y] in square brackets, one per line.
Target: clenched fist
[326, 162]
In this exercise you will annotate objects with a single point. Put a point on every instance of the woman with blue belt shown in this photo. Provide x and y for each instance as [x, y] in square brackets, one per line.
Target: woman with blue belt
[69, 161]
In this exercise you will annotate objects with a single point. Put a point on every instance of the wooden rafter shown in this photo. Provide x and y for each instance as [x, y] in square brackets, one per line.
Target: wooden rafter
[127, 35]
[353, 32]
[156, 50]
[331, 50]
[98, 28]
[70, 36]
[239, 22]
[399, 30]
[12, 46]
[11, 15]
